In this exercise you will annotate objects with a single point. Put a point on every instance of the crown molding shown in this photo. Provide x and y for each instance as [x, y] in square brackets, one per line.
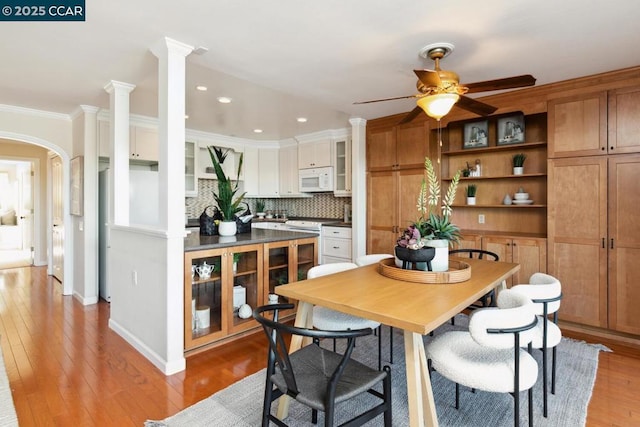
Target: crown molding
[33, 112]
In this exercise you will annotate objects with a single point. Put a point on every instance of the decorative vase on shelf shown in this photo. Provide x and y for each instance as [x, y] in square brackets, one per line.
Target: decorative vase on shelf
[227, 228]
[440, 261]
[471, 200]
[518, 170]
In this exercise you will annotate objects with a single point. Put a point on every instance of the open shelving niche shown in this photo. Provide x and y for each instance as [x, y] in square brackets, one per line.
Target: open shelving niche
[497, 178]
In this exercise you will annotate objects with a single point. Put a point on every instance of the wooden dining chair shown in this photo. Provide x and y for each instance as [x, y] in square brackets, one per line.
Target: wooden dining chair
[317, 377]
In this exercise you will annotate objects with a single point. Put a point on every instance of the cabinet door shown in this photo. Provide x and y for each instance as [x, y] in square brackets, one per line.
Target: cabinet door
[314, 154]
[381, 212]
[251, 174]
[381, 149]
[245, 285]
[624, 244]
[190, 165]
[342, 169]
[577, 231]
[288, 157]
[578, 125]
[531, 254]
[204, 320]
[144, 144]
[469, 241]
[268, 172]
[407, 191]
[623, 123]
[412, 145]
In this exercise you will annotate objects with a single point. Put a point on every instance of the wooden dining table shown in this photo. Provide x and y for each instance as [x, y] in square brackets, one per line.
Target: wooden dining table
[416, 308]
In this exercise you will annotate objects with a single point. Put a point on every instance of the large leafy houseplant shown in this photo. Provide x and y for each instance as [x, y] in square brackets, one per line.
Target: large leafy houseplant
[227, 199]
[434, 221]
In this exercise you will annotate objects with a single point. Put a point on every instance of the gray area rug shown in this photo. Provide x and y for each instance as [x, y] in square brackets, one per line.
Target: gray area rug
[241, 403]
[8, 417]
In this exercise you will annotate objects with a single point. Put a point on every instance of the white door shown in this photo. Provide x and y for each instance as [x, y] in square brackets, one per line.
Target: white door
[57, 212]
[25, 207]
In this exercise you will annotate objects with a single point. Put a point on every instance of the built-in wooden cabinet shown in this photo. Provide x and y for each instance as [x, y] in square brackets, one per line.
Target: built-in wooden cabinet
[624, 121]
[496, 179]
[241, 274]
[594, 239]
[395, 147]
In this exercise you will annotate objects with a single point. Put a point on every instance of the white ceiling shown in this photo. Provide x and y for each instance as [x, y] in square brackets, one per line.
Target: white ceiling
[280, 59]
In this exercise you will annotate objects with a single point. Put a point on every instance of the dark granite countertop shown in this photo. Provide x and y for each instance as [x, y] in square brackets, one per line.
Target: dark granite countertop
[195, 242]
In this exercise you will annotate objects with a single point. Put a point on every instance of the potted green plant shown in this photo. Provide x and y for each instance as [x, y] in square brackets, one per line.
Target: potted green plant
[227, 198]
[434, 222]
[518, 163]
[260, 204]
[471, 194]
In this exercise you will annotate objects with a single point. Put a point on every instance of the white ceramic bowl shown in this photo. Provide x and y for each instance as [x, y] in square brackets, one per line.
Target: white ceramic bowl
[521, 196]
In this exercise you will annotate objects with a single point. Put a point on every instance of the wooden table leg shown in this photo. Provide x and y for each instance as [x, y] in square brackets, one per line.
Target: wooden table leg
[304, 319]
[422, 407]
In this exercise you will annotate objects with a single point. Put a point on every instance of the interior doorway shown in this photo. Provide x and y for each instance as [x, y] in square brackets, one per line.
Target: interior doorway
[16, 213]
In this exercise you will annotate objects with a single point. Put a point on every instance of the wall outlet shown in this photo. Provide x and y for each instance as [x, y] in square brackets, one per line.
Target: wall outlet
[481, 219]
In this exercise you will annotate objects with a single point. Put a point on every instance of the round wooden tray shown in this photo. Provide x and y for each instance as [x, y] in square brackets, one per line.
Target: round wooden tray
[458, 272]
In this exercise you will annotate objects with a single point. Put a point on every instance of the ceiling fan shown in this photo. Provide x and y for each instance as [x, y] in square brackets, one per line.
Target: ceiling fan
[444, 86]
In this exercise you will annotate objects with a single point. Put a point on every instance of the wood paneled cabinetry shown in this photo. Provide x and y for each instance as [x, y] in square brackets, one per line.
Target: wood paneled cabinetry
[592, 124]
[241, 274]
[391, 147]
[594, 239]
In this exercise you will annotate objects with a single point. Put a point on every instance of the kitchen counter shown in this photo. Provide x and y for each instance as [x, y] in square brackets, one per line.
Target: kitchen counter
[194, 241]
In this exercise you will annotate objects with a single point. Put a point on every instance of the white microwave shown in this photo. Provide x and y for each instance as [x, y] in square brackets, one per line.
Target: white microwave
[316, 179]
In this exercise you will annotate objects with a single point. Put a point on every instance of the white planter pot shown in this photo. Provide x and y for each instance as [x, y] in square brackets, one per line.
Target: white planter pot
[441, 261]
[227, 228]
[518, 170]
[471, 200]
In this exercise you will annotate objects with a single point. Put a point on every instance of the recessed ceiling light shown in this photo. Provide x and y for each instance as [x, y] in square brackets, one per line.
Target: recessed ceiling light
[301, 119]
[201, 88]
[257, 130]
[224, 100]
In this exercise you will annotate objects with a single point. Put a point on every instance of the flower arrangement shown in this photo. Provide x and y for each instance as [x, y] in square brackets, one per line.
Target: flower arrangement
[410, 238]
[434, 221]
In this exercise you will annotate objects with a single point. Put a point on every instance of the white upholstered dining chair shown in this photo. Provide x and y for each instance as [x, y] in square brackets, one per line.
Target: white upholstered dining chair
[330, 320]
[546, 292]
[489, 356]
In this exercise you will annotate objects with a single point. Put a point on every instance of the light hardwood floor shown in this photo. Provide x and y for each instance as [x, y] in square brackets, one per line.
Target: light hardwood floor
[67, 368]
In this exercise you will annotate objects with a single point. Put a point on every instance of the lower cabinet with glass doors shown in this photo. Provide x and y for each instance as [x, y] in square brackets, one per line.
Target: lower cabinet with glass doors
[223, 286]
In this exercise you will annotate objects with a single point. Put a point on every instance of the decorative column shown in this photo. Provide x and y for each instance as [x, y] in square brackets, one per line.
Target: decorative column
[358, 186]
[119, 119]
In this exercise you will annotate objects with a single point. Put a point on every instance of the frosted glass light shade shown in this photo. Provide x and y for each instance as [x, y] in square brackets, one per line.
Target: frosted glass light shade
[438, 106]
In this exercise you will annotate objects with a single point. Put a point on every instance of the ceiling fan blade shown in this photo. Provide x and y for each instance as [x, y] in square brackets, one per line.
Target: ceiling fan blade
[474, 106]
[385, 99]
[498, 84]
[412, 115]
[429, 78]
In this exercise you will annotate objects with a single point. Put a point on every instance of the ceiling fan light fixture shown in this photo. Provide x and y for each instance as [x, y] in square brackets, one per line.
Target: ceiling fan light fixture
[438, 106]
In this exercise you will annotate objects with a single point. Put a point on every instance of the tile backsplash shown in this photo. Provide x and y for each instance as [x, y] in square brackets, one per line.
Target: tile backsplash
[321, 205]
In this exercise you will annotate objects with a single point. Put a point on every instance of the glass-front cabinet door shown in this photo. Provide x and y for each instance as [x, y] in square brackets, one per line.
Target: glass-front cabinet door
[244, 288]
[204, 278]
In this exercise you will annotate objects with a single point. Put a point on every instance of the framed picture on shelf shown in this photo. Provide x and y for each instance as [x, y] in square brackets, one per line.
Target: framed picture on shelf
[475, 134]
[511, 130]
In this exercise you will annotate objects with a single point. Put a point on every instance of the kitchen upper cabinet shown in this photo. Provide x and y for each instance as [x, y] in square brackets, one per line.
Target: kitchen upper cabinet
[229, 166]
[314, 154]
[288, 158]
[342, 169]
[190, 165]
[261, 172]
[398, 147]
[623, 120]
[143, 144]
